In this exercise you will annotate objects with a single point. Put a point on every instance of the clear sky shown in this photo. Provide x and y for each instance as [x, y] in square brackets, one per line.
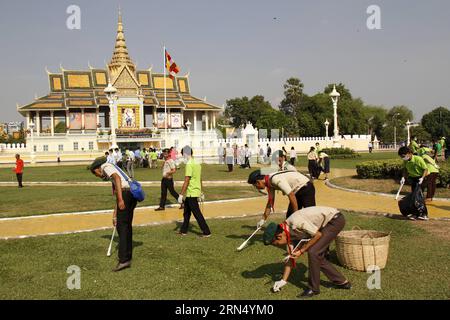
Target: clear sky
[237, 48]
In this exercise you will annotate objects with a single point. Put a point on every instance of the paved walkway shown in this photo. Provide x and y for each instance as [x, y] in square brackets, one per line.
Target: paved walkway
[81, 222]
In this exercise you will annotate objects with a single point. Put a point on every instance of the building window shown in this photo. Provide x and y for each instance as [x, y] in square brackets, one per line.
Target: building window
[91, 145]
[61, 147]
[148, 117]
[35, 148]
[103, 117]
[46, 123]
[45, 148]
[75, 146]
[60, 121]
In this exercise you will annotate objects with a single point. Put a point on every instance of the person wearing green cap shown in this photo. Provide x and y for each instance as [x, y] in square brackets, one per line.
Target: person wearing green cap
[322, 225]
[296, 186]
[123, 210]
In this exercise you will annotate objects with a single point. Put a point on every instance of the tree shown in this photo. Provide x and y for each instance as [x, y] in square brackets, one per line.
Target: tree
[422, 135]
[243, 110]
[376, 118]
[396, 118]
[437, 122]
[293, 92]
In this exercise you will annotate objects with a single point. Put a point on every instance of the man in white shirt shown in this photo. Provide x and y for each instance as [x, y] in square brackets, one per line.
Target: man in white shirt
[130, 163]
[123, 210]
[169, 169]
[293, 156]
[248, 155]
[118, 157]
[297, 187]
[229, 157]
[111, 159]
[322, 225]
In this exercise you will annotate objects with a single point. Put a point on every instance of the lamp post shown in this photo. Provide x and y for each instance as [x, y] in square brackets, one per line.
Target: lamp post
[335, 97]
[395, 130]
[327, 124]
[408, 126]
[110, 92]
[32, 153]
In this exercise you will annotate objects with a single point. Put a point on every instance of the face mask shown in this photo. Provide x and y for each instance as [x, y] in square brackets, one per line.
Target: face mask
[406, 158]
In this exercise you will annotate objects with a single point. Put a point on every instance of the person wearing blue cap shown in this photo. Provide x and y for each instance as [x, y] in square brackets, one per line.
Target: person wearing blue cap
[322, 224]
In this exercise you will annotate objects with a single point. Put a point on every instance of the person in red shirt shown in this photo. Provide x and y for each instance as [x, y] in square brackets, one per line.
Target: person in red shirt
[19, 170]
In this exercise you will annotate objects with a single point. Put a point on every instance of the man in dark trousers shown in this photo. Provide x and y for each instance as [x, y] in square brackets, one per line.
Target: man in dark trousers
[192, 189]
[124, 208]
[19, 170]
[169, 168]
[297, 187]
[322, 225]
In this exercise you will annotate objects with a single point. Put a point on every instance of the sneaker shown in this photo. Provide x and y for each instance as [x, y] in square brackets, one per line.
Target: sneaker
[181, 233]
[423, 218]
[205, 235]
[160, 209]
[411, 217]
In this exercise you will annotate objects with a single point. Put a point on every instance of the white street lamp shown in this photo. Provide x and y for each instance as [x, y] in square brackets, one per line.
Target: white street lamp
[110, 92]
[327, 124]
[32, 153]
[408, 126]
[335, 97]
[395, 130]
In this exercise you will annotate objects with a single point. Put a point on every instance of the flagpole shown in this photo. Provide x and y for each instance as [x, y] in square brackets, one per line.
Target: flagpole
[165, 95]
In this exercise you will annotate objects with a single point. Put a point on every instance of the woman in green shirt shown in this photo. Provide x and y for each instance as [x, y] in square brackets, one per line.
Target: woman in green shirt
[415, 168]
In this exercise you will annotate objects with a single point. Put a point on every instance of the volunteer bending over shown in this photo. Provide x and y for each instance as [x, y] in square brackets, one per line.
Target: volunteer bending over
[297, 187]
[322, 224]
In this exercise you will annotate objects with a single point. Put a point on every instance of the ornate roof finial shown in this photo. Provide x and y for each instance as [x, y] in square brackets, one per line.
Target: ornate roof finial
[150, 69]
[120, 56]
[89, 66]
[46, 70]
[61, 67]
[188, 74]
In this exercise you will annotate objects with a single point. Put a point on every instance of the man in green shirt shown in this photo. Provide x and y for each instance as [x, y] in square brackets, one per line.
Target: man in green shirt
[154, 159]
[415, 168]
[192, 192]
[414, 146]
[443, 147]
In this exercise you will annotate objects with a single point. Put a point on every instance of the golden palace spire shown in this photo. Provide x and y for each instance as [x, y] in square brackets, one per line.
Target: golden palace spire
[120, 56]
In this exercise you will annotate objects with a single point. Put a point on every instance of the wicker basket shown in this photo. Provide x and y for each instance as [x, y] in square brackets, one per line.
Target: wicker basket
[359, 249]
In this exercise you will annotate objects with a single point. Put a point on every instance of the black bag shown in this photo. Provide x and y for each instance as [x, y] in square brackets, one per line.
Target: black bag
[413, 203]
[145, 163]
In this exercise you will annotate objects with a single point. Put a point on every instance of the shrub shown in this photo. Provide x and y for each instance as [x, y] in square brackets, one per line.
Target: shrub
[341, 153]
[393, 169]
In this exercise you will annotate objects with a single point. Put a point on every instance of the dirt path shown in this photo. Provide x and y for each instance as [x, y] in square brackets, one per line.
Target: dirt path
[81, 222]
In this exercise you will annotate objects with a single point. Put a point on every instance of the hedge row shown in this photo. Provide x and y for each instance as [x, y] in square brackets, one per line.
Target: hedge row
[341, 153]
[394, 169]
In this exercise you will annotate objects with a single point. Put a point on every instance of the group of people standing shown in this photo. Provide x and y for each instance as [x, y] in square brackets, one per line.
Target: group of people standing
[318, 162]
[145, 158]
[235, 156]
[420, 167]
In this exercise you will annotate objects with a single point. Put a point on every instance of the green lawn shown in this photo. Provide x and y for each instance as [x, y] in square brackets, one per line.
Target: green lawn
[81, 174]
[381, 185]
[38, 200]
[167, 266]
[351, 163]
[210, 172]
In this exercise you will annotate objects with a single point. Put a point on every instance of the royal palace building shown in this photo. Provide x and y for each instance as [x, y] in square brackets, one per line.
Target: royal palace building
[77, 115]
